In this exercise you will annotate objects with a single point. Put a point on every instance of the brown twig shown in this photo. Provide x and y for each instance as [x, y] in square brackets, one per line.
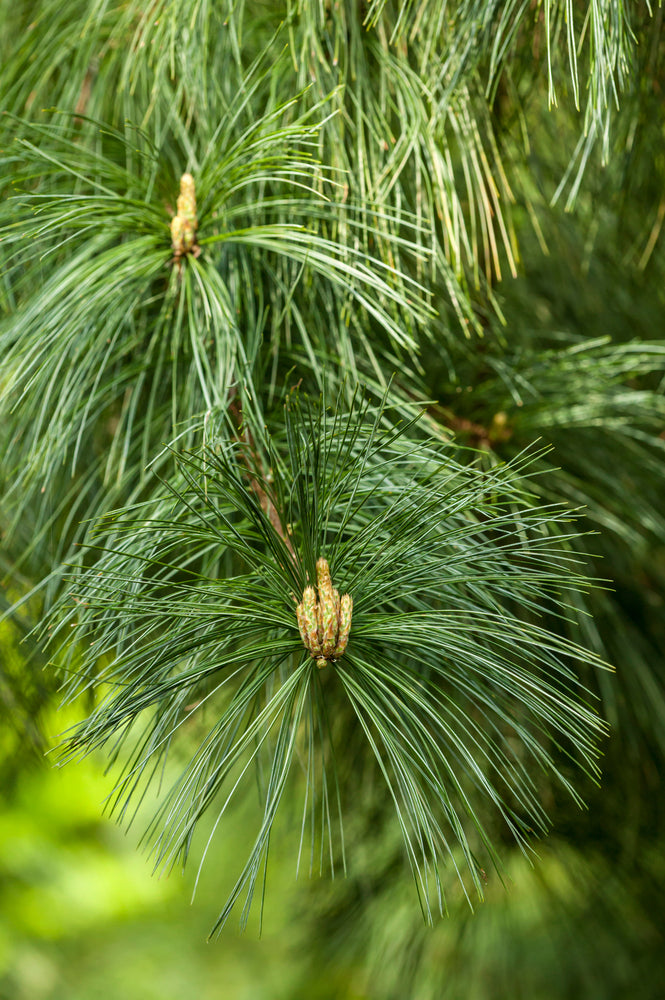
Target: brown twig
[267, 503]
[479, 435]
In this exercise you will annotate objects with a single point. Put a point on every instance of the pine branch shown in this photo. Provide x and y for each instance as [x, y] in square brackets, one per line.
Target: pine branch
[441, 674]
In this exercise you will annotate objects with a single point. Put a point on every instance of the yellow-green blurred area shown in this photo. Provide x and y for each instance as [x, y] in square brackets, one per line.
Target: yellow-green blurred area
[83, 918]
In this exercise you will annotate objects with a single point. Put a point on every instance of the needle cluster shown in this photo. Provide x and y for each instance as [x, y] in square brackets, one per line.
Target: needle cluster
[450, 682]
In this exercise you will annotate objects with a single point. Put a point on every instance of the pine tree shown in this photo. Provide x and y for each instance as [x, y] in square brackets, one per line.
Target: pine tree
[324, 388]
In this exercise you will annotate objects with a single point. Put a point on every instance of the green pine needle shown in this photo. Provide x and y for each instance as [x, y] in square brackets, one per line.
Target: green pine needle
[189, 614]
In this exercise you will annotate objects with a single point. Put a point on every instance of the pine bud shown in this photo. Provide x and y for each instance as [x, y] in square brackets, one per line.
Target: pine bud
[187, 201]
[302, 625]
[325, 624]
[184, 224]
[177, 235]
[182, 235]
[310, 621]
[328, 624]
[323, 580]
[345, 611]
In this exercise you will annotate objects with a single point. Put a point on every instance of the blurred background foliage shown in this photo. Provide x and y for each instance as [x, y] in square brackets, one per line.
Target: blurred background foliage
[82, 917]
[566, 347]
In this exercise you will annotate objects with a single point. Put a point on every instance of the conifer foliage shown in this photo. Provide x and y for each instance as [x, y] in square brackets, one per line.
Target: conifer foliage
[309, 478]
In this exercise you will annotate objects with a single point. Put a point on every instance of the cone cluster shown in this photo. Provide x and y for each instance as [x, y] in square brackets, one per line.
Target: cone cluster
[185, 223]
[324, 624]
